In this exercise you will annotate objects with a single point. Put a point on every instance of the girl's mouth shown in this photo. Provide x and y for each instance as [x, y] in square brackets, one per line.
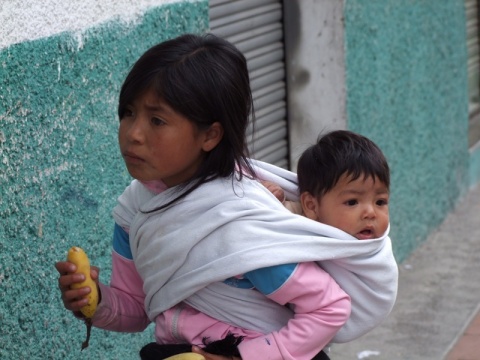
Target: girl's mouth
[132, 158]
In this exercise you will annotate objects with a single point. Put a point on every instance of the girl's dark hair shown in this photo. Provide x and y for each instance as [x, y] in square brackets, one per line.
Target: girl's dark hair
[335, 154]
[204, 78]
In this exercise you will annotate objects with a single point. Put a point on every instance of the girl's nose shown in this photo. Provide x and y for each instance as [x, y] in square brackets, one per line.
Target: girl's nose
[136, 131]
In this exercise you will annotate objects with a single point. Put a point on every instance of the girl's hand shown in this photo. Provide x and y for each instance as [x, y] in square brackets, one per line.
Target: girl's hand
[73, 299]
[208, 356]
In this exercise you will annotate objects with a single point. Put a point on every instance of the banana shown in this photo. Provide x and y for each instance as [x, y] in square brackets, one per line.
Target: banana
[78, 257]
[186, 356]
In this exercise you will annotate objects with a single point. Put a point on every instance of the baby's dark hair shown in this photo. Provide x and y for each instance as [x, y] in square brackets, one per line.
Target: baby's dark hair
[204, 78]
[335, 154]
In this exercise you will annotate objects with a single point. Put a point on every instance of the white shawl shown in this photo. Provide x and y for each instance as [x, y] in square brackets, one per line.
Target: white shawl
[226, 228]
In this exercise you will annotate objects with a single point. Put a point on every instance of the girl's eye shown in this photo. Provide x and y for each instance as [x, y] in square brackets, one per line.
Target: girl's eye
[157, 121]
[127, 113]
[351, 202]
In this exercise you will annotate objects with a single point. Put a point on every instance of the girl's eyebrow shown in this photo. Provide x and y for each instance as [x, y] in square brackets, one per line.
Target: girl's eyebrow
[158, 107]
[154, 107]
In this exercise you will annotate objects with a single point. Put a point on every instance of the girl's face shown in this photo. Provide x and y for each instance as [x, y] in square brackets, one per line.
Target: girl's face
[158, 143]
[358, 207]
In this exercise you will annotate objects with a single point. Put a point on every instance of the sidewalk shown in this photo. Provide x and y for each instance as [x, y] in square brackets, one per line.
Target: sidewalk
[437, 313]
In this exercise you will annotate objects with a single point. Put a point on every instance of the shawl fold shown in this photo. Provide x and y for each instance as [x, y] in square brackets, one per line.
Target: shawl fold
[228, 227]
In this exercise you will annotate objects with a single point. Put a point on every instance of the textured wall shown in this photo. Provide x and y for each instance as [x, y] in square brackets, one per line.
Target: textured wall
[27, 20]
[60, 173]
[407, 90]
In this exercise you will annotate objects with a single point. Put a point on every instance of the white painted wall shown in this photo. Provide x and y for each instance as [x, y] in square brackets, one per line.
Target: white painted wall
[316, 71]
[23, 20]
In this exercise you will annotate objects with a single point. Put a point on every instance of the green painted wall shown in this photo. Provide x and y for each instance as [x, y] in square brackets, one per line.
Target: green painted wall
[407, 90]
[60, 175]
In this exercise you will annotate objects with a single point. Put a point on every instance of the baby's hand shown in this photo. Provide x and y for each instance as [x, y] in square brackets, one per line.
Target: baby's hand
[275, 189]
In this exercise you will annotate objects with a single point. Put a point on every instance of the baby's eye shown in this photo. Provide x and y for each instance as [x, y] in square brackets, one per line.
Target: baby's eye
[157, 121]
[382, 202]
[351, 202]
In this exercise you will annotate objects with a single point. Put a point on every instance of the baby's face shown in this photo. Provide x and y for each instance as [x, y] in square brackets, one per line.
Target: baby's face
[358, 207]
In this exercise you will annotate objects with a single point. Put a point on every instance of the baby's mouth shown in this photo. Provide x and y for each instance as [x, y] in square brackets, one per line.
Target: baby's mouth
[366, 234]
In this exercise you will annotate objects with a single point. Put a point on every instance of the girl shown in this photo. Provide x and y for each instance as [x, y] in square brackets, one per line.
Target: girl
[200, 247]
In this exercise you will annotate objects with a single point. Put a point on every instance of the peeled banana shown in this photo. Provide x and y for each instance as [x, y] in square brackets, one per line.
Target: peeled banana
[78, 257]
[186, 356]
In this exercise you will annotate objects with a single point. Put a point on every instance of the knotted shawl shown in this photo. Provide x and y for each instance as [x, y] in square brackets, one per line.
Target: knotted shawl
[228, 227]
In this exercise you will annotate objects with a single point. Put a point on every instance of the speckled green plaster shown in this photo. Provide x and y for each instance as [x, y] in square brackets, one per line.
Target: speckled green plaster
[60, 174]
[407, 90]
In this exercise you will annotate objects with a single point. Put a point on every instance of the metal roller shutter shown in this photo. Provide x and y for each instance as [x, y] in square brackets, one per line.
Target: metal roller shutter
[256, 28]
[473, 50]
[471, 9]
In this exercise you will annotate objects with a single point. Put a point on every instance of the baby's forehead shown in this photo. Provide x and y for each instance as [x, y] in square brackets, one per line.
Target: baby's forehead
[362, 175]
[363, 179]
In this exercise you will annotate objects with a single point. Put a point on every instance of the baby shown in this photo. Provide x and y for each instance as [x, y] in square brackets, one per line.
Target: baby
[344, 182]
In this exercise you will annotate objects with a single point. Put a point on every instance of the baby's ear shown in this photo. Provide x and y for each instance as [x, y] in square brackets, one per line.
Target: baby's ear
[213, 135]
[309, 205]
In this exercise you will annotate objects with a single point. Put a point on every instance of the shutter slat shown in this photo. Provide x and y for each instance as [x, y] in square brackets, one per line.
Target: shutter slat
[234, 6]
[274, 153]
[246, 20]
[255, 38]
[267, 75]
[277, 95]
[270, 134]
[277, 116]
[264, 57]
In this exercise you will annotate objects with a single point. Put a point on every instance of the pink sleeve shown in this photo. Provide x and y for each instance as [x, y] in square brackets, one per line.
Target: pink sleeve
[122, 304]
[321, 308]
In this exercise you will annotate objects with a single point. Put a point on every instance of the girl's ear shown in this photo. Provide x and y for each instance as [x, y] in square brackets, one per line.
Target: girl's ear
[213, 135]
[309, 205]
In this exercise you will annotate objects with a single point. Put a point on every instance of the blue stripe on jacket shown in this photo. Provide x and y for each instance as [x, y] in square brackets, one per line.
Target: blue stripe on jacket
[121, 244]
[266, 280]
